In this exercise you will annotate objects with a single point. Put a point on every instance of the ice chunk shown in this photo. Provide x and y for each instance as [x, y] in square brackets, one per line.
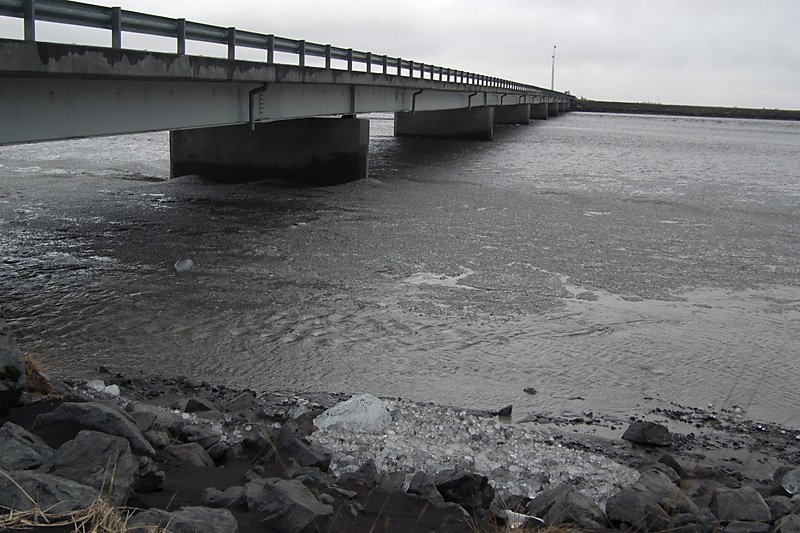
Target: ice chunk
[364, 411]
[96, 384]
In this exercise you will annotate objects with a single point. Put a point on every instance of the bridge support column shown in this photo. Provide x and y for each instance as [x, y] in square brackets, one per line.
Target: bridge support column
[471, 124]
[552, 109]
[315, 151]
[539, 111]
[513, 114]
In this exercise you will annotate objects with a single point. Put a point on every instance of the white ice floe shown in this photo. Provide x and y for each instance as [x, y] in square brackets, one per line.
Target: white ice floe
[364, 412]
[517, 460]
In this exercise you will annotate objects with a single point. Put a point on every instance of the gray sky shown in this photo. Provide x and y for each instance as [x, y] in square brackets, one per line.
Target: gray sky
[701, 52]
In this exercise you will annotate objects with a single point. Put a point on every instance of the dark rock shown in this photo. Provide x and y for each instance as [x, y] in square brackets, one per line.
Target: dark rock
[202, 435]
[144, 418]
[392, 481]
[98, 417]
[626, 509]
[346, 494]
[290, 443]
[367, 474]
[666, 470]
[190, 454]
[505, 411]
[565, 505]
[216, 498]
[157, 438]
[22, 450]
[655, 518]
[470, 491]
[654, 486]
[648, 433]
[529, 390]
[779, 506]
[101, 461]
[243, 402]
[57, 495]
[148, 478]
[310, 475]
[789, 524]
[12, 367]
[670, 461]
[790, 482]
[195, 405]
[743, 504]
[424, 486]
[217, 451]
[747, 527]
[186, 520]
[290, 505]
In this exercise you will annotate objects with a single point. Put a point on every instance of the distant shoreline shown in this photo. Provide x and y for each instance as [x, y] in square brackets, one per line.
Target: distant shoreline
[596, 106]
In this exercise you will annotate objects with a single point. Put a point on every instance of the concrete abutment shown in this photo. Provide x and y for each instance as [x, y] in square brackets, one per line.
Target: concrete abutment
[314, 151]
[513, 114]
[469, 124]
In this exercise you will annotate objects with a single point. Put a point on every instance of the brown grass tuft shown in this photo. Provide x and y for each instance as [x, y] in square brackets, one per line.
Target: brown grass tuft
[38, 384]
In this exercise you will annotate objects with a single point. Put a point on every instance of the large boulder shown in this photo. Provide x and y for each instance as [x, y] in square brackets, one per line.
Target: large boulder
[185, 520]
[22, 450]
[566, 505]
[103, 462]
[470, 491]
[744, 504]
[361, 412]
[98, 417]
[23, 490]
[12, 368]
[291, 443]
[648, 433]
[290, 505]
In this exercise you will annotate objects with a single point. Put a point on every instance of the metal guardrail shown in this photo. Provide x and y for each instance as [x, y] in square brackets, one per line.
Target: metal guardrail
[118, 20]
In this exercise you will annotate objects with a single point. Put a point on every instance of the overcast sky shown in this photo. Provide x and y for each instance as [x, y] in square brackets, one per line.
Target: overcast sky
[702, 52]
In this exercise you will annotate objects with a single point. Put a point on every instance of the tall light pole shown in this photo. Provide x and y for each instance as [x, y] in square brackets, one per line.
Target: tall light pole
[553, 72]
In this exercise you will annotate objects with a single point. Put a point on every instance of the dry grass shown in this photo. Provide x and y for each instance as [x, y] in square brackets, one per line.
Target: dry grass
[37, 383]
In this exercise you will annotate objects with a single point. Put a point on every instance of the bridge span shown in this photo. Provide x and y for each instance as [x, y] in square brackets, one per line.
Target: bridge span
[228, 117]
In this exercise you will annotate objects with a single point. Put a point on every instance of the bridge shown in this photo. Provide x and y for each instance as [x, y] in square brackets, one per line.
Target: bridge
[292, 115]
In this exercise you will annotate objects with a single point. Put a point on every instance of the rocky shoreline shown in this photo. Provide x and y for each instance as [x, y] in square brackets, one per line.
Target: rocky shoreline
[194, 456]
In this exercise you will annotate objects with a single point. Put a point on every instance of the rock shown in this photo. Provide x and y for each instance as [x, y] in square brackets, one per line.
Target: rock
[789, 524]
[98, 417]
[57, 495]
[366, 474]
[186, 520]
[779, 506]
[148, 478]
[362, 412]
[648, 433]
[291, 443]
[12, 367]
[216, 498]
[744, 504]
[654, 486]
[626, 509]
[566, 505]
[790, 482]
[505, 411]
[202, 435]
[101, 461]
[470, 491]
[289, 503]
[424, 486]
[747, 527]
[183, 265]
[22, 450]
[143, 417]
[197, 405]
[529, 390]
[670, 461]
[190, 454]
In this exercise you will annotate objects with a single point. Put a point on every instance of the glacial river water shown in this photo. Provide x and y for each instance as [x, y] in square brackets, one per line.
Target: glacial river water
[611, 262]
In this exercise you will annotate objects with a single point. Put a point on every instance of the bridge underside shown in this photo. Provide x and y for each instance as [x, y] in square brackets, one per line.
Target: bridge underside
[52, 91]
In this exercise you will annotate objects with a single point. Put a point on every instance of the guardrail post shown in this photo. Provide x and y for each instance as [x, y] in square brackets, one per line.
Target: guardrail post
[116, 28]
[29, 17]
[328, 56]
[181, 37]
[231, 44]
[270, 49]
[349, 60]
[385, 65]
[369, 62]
[301, 52]
[399, 64]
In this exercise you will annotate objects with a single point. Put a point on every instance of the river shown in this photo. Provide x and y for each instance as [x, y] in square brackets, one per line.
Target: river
[611, 262]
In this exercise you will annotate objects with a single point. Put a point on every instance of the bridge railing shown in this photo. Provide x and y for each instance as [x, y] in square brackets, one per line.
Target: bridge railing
[118, 21]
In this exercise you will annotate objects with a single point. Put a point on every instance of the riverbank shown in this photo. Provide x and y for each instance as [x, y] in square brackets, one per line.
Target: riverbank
[649, 108]
[248, 461]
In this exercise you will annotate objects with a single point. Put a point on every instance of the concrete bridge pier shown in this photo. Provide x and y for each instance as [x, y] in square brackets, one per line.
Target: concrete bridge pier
[469, 124]
[513, 114]
[314, 151]
[539, 111]
[552, 109]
